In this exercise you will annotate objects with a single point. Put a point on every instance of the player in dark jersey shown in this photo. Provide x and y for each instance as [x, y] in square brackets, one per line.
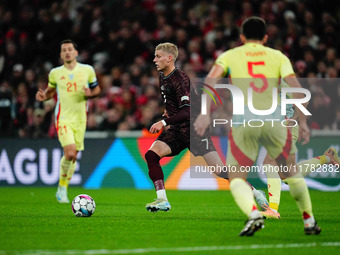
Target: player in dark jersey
[175, 90]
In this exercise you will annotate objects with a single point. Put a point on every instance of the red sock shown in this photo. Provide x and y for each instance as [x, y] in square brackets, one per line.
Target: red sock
[305, 215]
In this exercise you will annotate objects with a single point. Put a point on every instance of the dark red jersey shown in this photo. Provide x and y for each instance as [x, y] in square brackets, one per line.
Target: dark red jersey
[175, 89]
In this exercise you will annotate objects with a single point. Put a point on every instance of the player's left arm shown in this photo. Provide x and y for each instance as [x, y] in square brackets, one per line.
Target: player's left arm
[183, 98]
[287, 72]
[182, 90]
[304, 132]
[93, 89]
[90, 93]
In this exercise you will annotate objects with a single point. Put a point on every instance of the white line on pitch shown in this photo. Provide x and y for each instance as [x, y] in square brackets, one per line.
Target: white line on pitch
[174, 249]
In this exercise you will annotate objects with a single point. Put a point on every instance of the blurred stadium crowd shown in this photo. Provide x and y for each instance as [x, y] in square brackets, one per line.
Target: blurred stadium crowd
[118, 38]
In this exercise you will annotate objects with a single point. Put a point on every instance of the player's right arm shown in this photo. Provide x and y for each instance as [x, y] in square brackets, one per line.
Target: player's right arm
[202, 121]
[48, 93]
[43, 95]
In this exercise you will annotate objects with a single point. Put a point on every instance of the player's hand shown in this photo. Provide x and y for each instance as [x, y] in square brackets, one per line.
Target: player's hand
[156, 127]
[201, 124]
[165, 114]
[290, 125]
[40, 96]
[304, 133]
[87, 92]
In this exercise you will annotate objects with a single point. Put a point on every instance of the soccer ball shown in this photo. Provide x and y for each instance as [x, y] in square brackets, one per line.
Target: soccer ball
[83, 206]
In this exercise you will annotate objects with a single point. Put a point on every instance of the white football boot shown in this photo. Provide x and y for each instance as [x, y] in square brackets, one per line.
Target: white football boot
[61, 195]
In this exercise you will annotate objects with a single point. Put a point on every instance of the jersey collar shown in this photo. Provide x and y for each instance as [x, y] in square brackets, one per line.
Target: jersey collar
[252, 44]
[166, 77]
[75, 67]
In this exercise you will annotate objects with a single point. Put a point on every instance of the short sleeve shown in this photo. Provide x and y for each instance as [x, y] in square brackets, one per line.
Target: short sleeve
[92, 78]
[52, 80]
[222, 61]
[286, 68]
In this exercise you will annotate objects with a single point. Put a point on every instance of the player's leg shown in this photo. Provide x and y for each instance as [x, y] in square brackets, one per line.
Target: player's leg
[66, 139]
[332, 154]
[67, 164]
[279, 142]
[260, 198]
[299, 191]
[244, 198]
[72, 152]
[274, 180]
[204, 146]
[213, 159]
[279, 145]
[274, 188]
[243, 151]
[158, 150]
[305, 167]
[329, 157]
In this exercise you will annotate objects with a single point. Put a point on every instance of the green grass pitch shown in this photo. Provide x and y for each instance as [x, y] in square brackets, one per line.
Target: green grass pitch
[200, 222]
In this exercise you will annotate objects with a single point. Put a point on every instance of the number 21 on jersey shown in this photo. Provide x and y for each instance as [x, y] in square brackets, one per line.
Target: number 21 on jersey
[71, 87]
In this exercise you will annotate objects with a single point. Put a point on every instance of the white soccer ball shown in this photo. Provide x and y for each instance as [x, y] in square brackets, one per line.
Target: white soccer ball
[83, 206]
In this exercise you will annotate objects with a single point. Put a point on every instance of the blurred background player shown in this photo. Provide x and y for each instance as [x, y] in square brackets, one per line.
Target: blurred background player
[74, 83]
[254, 60]
[175, 89]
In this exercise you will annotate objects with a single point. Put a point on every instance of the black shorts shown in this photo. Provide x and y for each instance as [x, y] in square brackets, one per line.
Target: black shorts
[179, 139]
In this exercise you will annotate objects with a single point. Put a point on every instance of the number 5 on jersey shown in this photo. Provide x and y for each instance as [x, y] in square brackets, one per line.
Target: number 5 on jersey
[261, 76]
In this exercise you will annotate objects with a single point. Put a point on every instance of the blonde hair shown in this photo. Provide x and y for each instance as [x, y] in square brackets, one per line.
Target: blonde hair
[168, 48]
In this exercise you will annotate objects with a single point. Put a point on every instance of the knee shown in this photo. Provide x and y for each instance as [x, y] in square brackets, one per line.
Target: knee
[71, 156]
[151, 157]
